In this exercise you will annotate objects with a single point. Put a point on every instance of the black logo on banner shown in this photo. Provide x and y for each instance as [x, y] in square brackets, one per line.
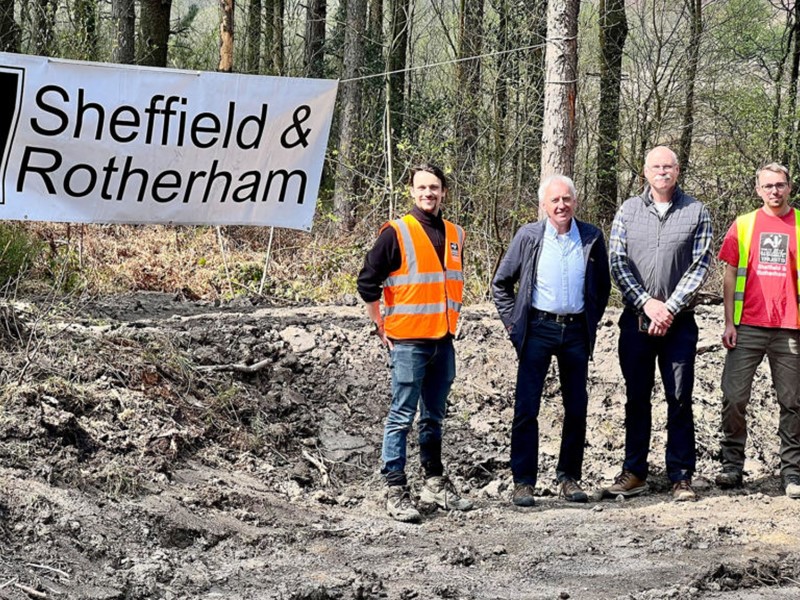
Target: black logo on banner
[11, 82]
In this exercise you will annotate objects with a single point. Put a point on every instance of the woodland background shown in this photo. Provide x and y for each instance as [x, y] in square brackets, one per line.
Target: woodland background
[499, 92]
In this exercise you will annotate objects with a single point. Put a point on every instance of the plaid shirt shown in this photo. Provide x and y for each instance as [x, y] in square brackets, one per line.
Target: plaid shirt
[689, 284]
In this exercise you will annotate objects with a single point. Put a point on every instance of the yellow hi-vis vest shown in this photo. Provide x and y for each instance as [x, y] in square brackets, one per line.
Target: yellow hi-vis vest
[744, 233]
[422, 300]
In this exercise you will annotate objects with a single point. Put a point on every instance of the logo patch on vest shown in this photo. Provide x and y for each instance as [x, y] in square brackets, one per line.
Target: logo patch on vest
[454, 249]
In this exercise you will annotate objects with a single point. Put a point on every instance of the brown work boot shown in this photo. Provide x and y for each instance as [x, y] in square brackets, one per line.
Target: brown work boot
[440, 490]
[523, 495]
[571, 491]
[627, 484]
[682, 491]
[400, 504]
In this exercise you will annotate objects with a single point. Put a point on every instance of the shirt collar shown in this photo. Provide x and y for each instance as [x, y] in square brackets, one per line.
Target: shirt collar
[572, 233]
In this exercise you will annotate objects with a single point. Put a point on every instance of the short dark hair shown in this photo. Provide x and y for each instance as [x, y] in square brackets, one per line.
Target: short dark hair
[427, 168]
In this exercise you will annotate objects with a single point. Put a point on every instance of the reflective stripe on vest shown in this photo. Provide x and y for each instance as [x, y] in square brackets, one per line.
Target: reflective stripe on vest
[744, 233]
[422, 300]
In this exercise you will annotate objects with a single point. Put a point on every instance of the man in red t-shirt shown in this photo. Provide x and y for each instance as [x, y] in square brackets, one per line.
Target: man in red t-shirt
[760, 292]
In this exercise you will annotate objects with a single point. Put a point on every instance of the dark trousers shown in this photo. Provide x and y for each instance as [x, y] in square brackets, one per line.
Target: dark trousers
[675, 355]
[569, 344]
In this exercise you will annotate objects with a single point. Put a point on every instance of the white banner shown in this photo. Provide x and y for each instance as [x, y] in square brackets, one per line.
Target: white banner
[100, 143]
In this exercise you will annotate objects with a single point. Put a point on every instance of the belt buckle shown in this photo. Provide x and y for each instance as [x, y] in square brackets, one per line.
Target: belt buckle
[561, 319]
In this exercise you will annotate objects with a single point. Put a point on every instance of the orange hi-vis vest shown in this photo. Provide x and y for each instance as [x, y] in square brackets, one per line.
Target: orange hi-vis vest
[421, 299]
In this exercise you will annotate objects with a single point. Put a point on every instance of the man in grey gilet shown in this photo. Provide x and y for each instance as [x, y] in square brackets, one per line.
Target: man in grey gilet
[660, 254]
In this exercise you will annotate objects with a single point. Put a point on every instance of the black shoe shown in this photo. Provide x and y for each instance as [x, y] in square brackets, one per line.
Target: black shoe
[571, 491]
[523, 495]
[729, 478]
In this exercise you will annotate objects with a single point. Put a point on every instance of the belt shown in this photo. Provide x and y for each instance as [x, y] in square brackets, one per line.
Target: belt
[561, 319]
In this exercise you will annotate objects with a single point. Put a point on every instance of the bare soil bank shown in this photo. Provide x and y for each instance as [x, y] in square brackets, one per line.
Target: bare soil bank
[156, 448]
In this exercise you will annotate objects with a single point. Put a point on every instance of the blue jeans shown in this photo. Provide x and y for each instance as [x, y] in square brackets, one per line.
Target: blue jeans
[675, 355]
[419, 372]
[569, 344]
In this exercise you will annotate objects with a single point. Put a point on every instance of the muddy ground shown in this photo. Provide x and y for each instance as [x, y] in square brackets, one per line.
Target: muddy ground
[153, 447]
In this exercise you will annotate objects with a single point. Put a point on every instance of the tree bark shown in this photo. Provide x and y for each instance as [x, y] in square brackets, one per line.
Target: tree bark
[396, 61]
[346, 180]
[278, 56]
[560, 89]
[695, 37]
[154, 19]
[316, 11]
[9, 30]
[123, 15]
[226, 37]
[252, 60]
[791, 159]
[613, 32]
[469, 88]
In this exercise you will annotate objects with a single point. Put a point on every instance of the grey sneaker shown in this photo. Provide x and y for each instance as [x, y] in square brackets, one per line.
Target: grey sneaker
[791, 483]
[729, 478]
[441, 491]
[627, 484]
[400, 505]
[682, 491]
[571, 491]
[523, 495]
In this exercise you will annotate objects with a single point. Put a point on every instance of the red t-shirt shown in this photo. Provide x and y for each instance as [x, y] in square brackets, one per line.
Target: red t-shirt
[770, 292]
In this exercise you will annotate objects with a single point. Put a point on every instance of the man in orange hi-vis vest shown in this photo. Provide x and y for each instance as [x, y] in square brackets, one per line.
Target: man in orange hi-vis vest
[761, 289]
[416, 264]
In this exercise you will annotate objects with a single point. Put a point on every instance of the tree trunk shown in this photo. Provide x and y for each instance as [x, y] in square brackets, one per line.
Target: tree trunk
[86, 22]
[696, 29]
[155, 32]
[123, 15]
[346, 180]
[278, 57]
[791, 159]
[613, 32]
[9, 30]
[560, 90]
[226, 37]
[316, 11]
[396, 61]
[44, 27]
[469, 88]
[252, 56]
[268, 45]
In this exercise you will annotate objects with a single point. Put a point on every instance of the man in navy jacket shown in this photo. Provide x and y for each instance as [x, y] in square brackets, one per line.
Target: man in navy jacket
[551, 290]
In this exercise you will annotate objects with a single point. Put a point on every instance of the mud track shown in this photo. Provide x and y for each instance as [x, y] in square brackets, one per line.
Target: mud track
[157, 448]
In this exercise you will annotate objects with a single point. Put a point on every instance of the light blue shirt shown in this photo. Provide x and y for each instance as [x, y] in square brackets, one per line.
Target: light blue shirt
[558, 285]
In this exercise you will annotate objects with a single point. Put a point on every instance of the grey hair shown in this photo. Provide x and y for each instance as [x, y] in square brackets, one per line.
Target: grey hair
[672, 153]
[773, 167]
[560, 179]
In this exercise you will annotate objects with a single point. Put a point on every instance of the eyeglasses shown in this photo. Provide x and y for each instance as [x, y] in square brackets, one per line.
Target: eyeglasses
[661, 167]
[768, 187]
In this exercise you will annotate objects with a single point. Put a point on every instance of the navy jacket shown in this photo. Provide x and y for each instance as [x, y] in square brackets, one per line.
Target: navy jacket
[519, 265]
